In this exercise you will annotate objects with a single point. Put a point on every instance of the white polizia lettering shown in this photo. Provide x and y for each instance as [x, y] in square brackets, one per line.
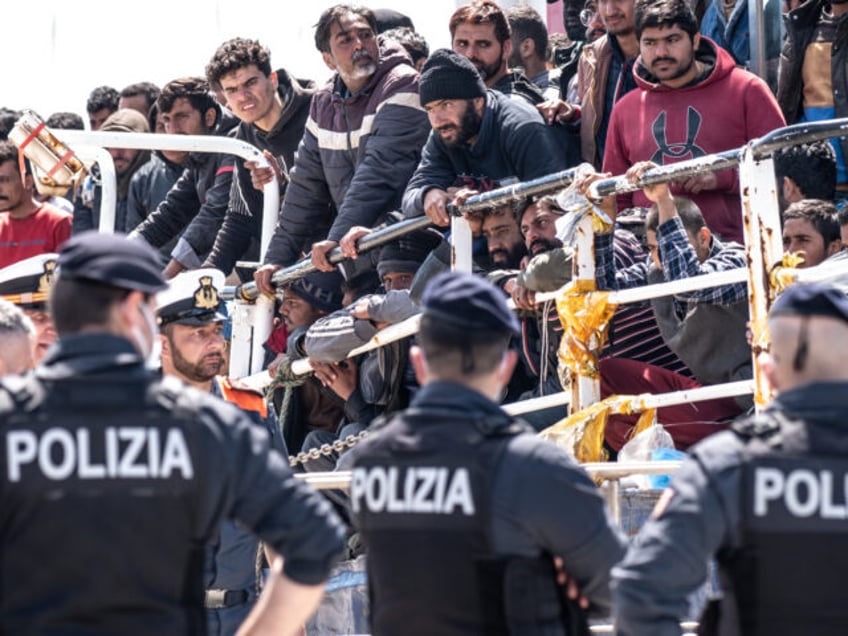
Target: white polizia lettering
[804, 493]
[131, 452]
[423, 490]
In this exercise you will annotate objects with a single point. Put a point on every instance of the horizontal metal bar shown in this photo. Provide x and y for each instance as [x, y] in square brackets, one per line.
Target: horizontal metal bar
[376, 239]
[658, 290]
[763, 147]
[803, 133]
[610, 470]
[537, 404]
[518, 191]
[157, 141]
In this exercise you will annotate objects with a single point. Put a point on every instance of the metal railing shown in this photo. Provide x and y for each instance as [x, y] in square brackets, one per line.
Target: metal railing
[251, 324]
[762, 239]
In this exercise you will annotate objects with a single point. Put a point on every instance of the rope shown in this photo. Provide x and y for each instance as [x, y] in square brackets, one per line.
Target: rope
[288, 381]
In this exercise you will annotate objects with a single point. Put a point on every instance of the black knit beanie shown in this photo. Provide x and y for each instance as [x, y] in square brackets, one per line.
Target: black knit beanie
[448, 75]
[322, 290]
[406, 254]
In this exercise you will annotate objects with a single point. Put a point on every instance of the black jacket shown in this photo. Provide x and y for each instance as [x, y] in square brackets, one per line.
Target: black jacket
[194, 207]
[139, 474]
[242, 228]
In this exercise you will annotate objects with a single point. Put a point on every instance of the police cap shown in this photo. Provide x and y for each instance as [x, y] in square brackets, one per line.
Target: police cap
[469, 303]
[112, 259]
[192, 298]
[27, 282]
[812, 299]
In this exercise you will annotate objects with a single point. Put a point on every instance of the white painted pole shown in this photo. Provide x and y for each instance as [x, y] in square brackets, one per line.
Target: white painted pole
[763, 246]
[585, 390]
[461, 244]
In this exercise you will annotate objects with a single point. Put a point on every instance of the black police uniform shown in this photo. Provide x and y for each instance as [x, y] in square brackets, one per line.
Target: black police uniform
[113, 480]
[782, 552]
[230, 572]
[461, 509]
[112, 485]
[768, 499]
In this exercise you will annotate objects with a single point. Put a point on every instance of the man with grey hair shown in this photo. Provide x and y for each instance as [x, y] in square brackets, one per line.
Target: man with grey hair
[361, 145]
[17, 340]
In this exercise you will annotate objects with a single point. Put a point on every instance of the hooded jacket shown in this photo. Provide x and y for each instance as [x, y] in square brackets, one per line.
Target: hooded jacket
[356, 156]
[242, 228]
[721, 110]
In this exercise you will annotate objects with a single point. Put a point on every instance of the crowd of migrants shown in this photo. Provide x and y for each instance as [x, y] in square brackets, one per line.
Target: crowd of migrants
[400, 132]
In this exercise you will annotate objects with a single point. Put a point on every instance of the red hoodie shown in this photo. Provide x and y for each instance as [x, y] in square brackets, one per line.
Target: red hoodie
[722, 111]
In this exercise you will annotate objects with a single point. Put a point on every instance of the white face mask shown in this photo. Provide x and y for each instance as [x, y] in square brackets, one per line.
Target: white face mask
[148, 346]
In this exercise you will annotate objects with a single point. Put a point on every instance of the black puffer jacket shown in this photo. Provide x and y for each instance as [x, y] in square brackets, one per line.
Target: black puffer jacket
[194, 207]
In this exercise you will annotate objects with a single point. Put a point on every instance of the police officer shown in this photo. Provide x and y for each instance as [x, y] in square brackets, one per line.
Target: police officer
[119, 478]
[26, 285]
[767, 498]
[461, 508]
[191, 335]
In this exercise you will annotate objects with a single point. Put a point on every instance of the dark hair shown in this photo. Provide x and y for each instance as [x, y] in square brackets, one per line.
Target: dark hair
[9, 152]
[556, 42]
[481, 12]
[65, 121]
[664, 13]
[506, 209]
[8, 118]
[235, 54]
[526, 22]
[688, 211]
[811, 166]
[102, 97]
[194, 89]
[332, 16]
[449, 350]
[521, 206]
[76, 303]
[412, 41]
[821, 214]
[148, 90]
[388, 19]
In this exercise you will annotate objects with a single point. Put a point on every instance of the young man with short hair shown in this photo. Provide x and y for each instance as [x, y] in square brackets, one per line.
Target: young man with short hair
[184, 225]
[102, 102]
[811, 227]
[480, 31]
[691, 101]
[273, 108]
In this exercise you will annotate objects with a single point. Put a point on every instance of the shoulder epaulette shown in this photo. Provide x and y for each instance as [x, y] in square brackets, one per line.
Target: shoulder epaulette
[765, 426]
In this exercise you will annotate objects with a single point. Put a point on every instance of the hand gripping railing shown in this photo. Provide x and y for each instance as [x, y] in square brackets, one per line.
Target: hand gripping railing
[252, 325]
[282, 277]
[759, 185]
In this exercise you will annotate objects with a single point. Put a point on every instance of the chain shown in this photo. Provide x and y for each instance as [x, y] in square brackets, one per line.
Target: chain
[328, 450]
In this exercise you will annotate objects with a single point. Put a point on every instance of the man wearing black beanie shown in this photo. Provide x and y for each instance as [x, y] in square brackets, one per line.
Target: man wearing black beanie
[480, 140]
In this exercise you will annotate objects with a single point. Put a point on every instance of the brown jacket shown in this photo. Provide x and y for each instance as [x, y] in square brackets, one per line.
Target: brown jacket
[592, 72]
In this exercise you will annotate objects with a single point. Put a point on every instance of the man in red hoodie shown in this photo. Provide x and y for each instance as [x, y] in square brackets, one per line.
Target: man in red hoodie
[691, 101]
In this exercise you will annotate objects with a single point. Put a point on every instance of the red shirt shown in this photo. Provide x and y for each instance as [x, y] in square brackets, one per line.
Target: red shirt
[41, 232]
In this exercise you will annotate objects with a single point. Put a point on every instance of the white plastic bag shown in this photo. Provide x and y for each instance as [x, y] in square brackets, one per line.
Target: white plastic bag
[642, 449]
